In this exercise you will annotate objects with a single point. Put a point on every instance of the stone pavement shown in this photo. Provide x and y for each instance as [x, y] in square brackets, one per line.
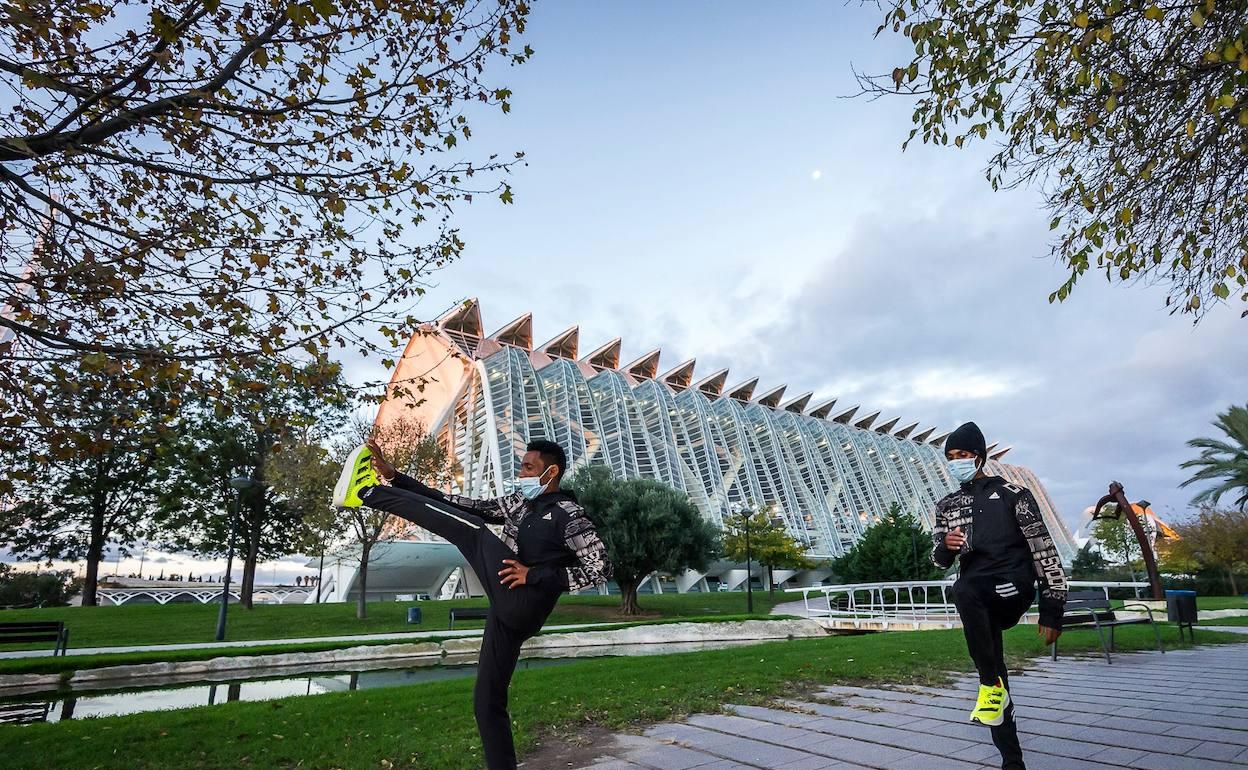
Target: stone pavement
[1185, 710]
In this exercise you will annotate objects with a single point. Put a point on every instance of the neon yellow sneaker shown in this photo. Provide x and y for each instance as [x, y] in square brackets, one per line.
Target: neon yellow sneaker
[357, 473]
[992, 703]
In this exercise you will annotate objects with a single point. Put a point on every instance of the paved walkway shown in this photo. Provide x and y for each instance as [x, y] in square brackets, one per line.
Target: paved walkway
[1185, 710]
[401, 636]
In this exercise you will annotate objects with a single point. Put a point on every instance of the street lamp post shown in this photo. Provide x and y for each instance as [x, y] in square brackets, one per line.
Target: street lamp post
[914, 552]
[239, 483]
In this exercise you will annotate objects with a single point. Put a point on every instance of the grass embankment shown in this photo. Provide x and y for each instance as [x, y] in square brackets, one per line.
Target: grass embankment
[67, 664]
[430, 726]
[1238, 620]
[143, 624]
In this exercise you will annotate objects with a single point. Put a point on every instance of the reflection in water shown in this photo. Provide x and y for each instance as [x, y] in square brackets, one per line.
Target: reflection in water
[54, 707]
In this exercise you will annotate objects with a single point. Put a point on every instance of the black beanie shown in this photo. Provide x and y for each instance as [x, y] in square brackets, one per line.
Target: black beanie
[968, 436]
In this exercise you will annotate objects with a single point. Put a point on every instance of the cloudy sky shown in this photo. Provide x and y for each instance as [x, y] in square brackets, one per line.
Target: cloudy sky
[697, 180]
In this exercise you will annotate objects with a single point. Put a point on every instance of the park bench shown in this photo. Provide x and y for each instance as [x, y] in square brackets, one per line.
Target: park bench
[468, 613]
[47, 631]
[23, 713]
[1092, 609]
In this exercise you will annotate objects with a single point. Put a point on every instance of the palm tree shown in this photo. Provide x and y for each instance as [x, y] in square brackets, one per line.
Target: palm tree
[1225, 462]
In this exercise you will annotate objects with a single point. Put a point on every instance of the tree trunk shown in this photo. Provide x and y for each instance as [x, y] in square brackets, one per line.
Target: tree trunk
[1230, 573]
[95, 554]
[361, 606]
[771, 581]
[628, 597]
[249, 568]
[255, 527]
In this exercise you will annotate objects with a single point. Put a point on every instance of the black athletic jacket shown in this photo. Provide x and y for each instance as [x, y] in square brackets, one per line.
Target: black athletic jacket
[551, 535]
[1008, 538]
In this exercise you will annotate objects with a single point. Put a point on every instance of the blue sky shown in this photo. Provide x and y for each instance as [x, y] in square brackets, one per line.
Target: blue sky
[697, 181]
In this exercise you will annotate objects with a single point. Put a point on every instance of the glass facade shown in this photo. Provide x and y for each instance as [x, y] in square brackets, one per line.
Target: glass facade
[826, 479]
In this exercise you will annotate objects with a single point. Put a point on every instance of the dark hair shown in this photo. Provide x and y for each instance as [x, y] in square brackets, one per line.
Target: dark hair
[551, 454]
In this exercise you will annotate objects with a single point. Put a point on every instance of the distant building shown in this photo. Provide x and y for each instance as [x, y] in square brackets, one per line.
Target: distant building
[827, 470]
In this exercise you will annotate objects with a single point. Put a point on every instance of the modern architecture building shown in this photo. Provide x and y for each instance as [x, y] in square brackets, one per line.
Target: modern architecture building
[825, 470]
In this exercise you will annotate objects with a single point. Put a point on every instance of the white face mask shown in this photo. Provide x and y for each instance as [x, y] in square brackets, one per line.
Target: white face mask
[963, 470]
[531, 486]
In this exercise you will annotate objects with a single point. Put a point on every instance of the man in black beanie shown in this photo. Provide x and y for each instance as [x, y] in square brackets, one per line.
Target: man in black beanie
[995, 530]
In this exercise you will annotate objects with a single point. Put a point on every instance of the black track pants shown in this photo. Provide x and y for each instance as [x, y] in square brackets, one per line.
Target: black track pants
[515, 613]
[988, 606]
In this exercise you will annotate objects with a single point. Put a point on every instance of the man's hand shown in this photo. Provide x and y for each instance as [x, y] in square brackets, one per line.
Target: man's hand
[1048, 634]
[380, 464]
[514, 574]
[954, 539]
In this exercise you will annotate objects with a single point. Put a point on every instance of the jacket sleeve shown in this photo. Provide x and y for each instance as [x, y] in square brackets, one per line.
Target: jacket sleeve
[941, 556]
[491, 509]
[1047, 563]
[592, 566]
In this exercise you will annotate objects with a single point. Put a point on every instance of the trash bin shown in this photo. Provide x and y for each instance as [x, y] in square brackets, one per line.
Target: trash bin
[1181, 609]
[413, 616]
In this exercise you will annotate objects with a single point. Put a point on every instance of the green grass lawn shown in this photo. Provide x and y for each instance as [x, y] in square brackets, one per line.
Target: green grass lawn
[190, 623]
[430, 726]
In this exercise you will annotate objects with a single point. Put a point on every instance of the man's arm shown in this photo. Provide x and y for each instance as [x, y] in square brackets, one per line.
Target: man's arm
[491, 509]
[1044, 558]
[941, 555]
[592, 566]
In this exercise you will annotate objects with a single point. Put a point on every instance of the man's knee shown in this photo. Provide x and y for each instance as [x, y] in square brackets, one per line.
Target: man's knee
[965, 596]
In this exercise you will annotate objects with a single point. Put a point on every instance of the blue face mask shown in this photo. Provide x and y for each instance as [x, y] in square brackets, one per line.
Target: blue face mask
[963, 470]
[531, 486]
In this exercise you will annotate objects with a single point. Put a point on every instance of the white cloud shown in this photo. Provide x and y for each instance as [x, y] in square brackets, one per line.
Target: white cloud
[816, 175]
[950, 384]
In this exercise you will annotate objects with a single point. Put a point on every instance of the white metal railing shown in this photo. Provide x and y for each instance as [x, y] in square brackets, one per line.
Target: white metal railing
[165, 594]
[909, 601]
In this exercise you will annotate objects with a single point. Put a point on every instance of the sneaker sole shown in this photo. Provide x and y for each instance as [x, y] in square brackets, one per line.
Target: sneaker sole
[343, 487]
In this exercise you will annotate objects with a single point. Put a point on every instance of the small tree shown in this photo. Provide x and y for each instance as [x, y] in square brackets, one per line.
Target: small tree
[647, 527]
[1089, 563]
[769, 545]
[95, 490]
[1117, 542]
[267, 410]
[38, 589]
[894, 548]
[1216, 539]
[411, 449]
[303, 475]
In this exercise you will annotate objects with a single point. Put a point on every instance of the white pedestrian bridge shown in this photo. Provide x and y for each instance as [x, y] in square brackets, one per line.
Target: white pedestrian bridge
[203, 593]
[896, 606]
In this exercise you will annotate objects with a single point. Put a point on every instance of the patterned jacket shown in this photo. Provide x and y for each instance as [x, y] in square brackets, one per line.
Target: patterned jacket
[1007, 536]
[550, 534]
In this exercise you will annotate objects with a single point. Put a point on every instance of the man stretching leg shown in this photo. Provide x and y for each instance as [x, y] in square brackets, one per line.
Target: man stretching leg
[548, 546]
[995, 530]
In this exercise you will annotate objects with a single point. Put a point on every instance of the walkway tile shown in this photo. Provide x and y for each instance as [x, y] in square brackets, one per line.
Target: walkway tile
[1185, 710]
